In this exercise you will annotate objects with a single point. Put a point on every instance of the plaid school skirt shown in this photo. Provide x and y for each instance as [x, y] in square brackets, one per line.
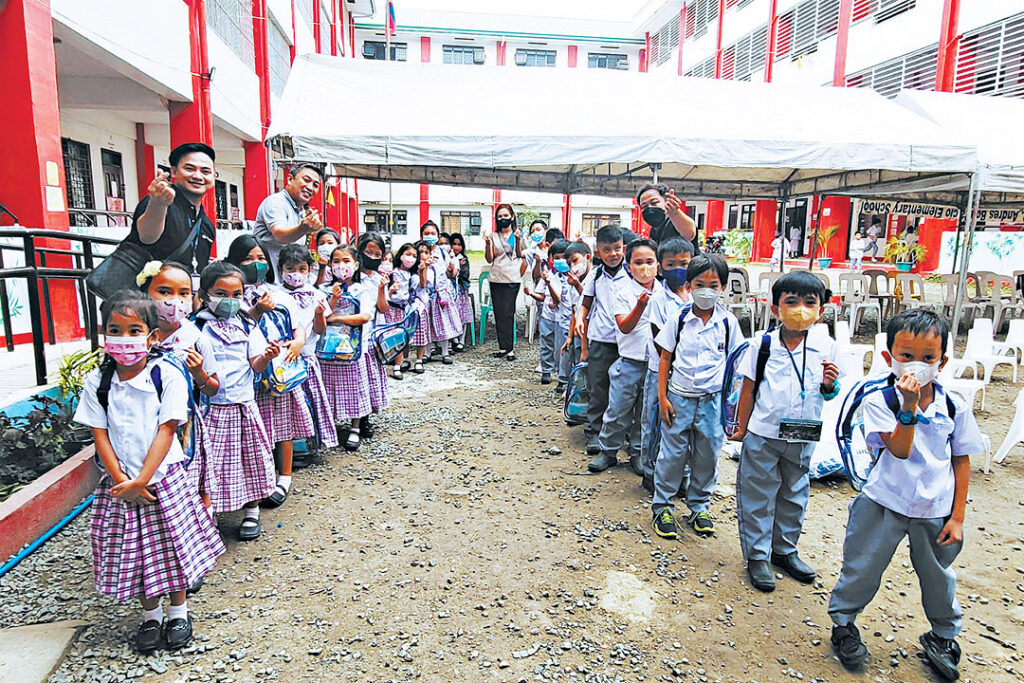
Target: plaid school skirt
[465, 308]
[323, 413]
[395, 314]
[286, 417]
[348, 387]
[241, 455]
[378, 382]
[155, 548]
[201, 474]
[444, 316]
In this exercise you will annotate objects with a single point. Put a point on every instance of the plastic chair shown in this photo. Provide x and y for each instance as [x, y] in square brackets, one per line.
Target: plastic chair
[855, 297]
[970, 307]
[847, 348]
[987, 331]
[911, 287]
[1014, 340]
[472, 318]
[980, 350]
[879, 289]
[1015, 434]
[763, 296]
[967, 389]
[878, 363]
[958, 365]
[737, 296]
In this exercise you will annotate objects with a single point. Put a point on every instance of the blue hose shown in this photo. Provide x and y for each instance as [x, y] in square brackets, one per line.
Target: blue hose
[27, 550]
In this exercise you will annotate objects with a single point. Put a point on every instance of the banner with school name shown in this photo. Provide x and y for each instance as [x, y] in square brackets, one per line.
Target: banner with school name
[1000, 216]
[915, 209]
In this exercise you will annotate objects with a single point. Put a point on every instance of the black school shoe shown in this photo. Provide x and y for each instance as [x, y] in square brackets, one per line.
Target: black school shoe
[943, 654]
[761, 576]
[195, 587]
[795, 567]
[366, 428]
[849, 647]
[178, 633]
[149, 638]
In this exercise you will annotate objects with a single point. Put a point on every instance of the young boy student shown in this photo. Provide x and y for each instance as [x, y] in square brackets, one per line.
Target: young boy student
[552, 296]
[788, 376]
[667, 302]
[577, 255]
[693, 350]
[600, 349]
[630, 307]
[917, 488]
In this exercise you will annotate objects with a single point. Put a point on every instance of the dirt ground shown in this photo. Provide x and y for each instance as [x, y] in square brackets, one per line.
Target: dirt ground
[467, 542]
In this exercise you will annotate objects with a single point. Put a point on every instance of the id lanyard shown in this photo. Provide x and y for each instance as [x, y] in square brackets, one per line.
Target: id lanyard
[799, 375]
[198, 229]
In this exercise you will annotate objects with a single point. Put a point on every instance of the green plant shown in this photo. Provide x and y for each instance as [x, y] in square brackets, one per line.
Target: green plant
[738, 244]
[822, 237]
[525, 215]
[71, 372]
[901, 251]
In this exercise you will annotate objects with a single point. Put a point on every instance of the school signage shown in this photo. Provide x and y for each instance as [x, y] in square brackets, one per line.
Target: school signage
[914, 209]
[1000, 216]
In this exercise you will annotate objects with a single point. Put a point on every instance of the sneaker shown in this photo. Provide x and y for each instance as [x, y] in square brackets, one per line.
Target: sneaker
[149, 638]
[601, 462]
[664, 523]
[702, 523]
[545, 378]
[178, 633]
[848, 646]
[943, 654]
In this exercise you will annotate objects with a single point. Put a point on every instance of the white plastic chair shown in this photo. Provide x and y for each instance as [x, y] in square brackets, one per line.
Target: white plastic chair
[911, 288]
[878, 363]
[737, 297]
[1015, 434]
[855, 296]
[987, 332]
[980, 350]
[763, 297]
[1014, 340]
[847, 347]
[967, 389]
[958, 365]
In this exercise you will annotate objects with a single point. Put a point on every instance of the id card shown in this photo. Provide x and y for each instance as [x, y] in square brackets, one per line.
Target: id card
[808, 431]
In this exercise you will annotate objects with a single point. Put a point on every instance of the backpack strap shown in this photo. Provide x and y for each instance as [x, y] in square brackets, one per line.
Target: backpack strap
[764, 351]
[891, 400]
[103, 390]
[679, 328]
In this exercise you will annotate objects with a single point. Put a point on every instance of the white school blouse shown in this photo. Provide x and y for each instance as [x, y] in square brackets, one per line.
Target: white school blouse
[189, 336]
[301, 304]
[235, 374]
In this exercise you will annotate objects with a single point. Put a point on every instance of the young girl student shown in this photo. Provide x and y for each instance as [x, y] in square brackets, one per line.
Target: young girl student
[240, 451]
[463, 304]
[422, 285]
[169, 285]
[150, 534]
[370, 246]
[442, 313]
[401, 298]
[324, 242]
[346, 381]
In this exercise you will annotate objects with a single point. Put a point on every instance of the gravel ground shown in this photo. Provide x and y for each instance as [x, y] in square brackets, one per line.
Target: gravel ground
[467, 542]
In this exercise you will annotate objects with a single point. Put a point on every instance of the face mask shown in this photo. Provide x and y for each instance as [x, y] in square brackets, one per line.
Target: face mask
[386, 268]
[705, 298]
[503, 223]
[295, 279]
[430, 239]
[798, 318]
[611, 270]
[536, 237]
[173, 310]
[408, 261]
[369, 263]
[644, 273]
[654, 216]
[560, 266]
[343, 271]
[255, 273]
[923, 372]
[223, 307]
[325, 251]
[675, 278]
[580, 269]
[126, 350]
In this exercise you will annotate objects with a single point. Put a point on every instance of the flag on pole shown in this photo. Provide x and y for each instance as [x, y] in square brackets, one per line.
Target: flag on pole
[391, 19]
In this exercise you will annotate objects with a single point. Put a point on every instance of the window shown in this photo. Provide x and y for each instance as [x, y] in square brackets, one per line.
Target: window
[592, 222]
[599, 60]
[78, 174]
[305, 8]
[747, 217]
[535, 57]
[914, 70]
[466, 222]
[231, 20]
[377, 219]
[463, 54]
[665, 41]
[375, 49]
[521, 220]
[990, 59]
[279, 58]
[887, 9]
[734, 216]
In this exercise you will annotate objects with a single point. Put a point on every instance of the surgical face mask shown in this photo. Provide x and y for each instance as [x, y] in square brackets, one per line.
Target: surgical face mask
[644, 273]
[343, 271]
[924, 373]
[654, 216]
[126, 350]
[580, 269]
[503, 223]
[536, 237]
[224, 307]
[408, 260]
[705, 298]
[370, 263]
[255, 272]
[675, 278]
[325, 251]
[798, 318]
[295, 279]
[430, 239]
[560, 266]
[173, 310]
[385, 268]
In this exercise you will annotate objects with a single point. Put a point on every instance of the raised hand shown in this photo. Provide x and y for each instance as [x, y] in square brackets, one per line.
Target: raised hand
[161, 192]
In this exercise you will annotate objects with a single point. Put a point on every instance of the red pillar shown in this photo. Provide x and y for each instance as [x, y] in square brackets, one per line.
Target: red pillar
[573, 50]
[291, 48]
[635, 220]
[682, 35]
[713, 217]
[316, 26]
[773, 38]
[145, 161]
[495, 200]
[765, 224]
[566, 214]
[334, 28]
[645, 53]
[33, 161]
[930, 237]
[499, 52]
[424, 203]
[836, 211]
[425, 49]
[949, 41]
[718, 39]
[257, 157]
[842, 40]
[353, 209]
[335, 206]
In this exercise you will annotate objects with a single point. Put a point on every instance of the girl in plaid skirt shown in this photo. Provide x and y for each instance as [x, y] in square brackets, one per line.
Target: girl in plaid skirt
[461, 281]
[406, 279]
[442, 313]
[240, 452]
[371, 253]
[150, 534]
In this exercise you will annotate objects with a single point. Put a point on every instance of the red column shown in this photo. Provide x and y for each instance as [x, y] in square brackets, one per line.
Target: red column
[291, 48]
[773, 37]
[645, 53]
[838, 214]
[930, 237]
[335, 206]
[425, 49]
[495, 200]
[193, 121]
[842, 40]
[713, 217]
[257, 157]
[573, 50]
[949, 42]
[499, 52]
[334, 28]
[635, 219]
[145, 161]
[566, 214]
[316, 25]
[33, 161]
[718, 39]
[765, 224]
[682, 35]
[424, 203]
[353, 209]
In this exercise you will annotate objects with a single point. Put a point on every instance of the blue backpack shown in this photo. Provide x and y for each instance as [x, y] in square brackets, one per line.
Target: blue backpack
[339, 342]
[280, 377]
[391, 340]
[577, 396]
[732, 384]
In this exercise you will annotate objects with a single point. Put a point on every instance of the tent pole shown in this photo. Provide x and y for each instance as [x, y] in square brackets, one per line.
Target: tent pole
[781, 221]
[964, 206]
[654, 172]
[961, 289]
[814, 240]
[391, 211]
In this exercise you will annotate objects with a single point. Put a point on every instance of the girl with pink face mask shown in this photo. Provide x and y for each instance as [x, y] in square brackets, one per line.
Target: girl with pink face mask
[406, 279]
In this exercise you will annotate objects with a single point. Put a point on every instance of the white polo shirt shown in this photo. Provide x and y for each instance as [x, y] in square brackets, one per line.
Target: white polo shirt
[135, 412]
[779, 395]
[600, 285]
[233, 350]
[664, 304]
[563, 311]
[921, 485]
[188, 336]
[633, 345]
[698, 363]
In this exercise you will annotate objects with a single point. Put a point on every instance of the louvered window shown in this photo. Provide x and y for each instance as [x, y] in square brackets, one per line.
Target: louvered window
[665, 41]
[231, 20]
[990, 59]
[915, 70]
[279, 57]
[887, 9]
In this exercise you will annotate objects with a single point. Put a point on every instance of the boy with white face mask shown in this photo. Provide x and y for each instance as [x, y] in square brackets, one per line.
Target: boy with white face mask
[917, 488]
[578, 256]
[788, 375]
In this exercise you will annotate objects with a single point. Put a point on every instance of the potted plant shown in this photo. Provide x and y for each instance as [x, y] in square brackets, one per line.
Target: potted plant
[904, 254]
[822, 237]
[738, 244]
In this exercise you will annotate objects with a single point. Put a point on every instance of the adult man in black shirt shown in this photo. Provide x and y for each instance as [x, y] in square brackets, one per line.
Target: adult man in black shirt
[663, 211]
[165, 221]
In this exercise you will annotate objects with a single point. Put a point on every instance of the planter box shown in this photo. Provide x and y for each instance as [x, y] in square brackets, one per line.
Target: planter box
[904, 267]
[32, 510]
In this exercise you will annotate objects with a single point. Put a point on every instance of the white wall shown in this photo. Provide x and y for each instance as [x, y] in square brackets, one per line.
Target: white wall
[234, 90]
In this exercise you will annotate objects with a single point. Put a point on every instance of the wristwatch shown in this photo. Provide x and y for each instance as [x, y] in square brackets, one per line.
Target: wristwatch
[906, 417]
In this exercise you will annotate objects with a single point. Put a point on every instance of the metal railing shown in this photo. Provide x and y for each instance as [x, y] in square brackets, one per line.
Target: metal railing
[86, 218]
[37, 246]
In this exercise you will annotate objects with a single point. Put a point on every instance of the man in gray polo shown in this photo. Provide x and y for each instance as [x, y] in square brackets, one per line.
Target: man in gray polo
[285, 217]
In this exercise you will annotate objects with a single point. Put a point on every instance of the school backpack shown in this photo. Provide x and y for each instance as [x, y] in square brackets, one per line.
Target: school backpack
[391, 340]
[339, 342]
[281, 376]
[577, 395]
[732, 384]
[857, 458]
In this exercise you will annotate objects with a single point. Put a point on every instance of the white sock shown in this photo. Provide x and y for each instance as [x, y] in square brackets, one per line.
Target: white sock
[178, 611]
[445, 346]
[153, 614]
[252, 513]
[284, 481]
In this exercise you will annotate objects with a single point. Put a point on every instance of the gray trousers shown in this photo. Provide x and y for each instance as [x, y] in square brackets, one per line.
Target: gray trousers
[872, 535]
[567, 360]
[693, 439]
[625, 401]
[552, 336]
[650, 434]
[772, 488]
[600, 356]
